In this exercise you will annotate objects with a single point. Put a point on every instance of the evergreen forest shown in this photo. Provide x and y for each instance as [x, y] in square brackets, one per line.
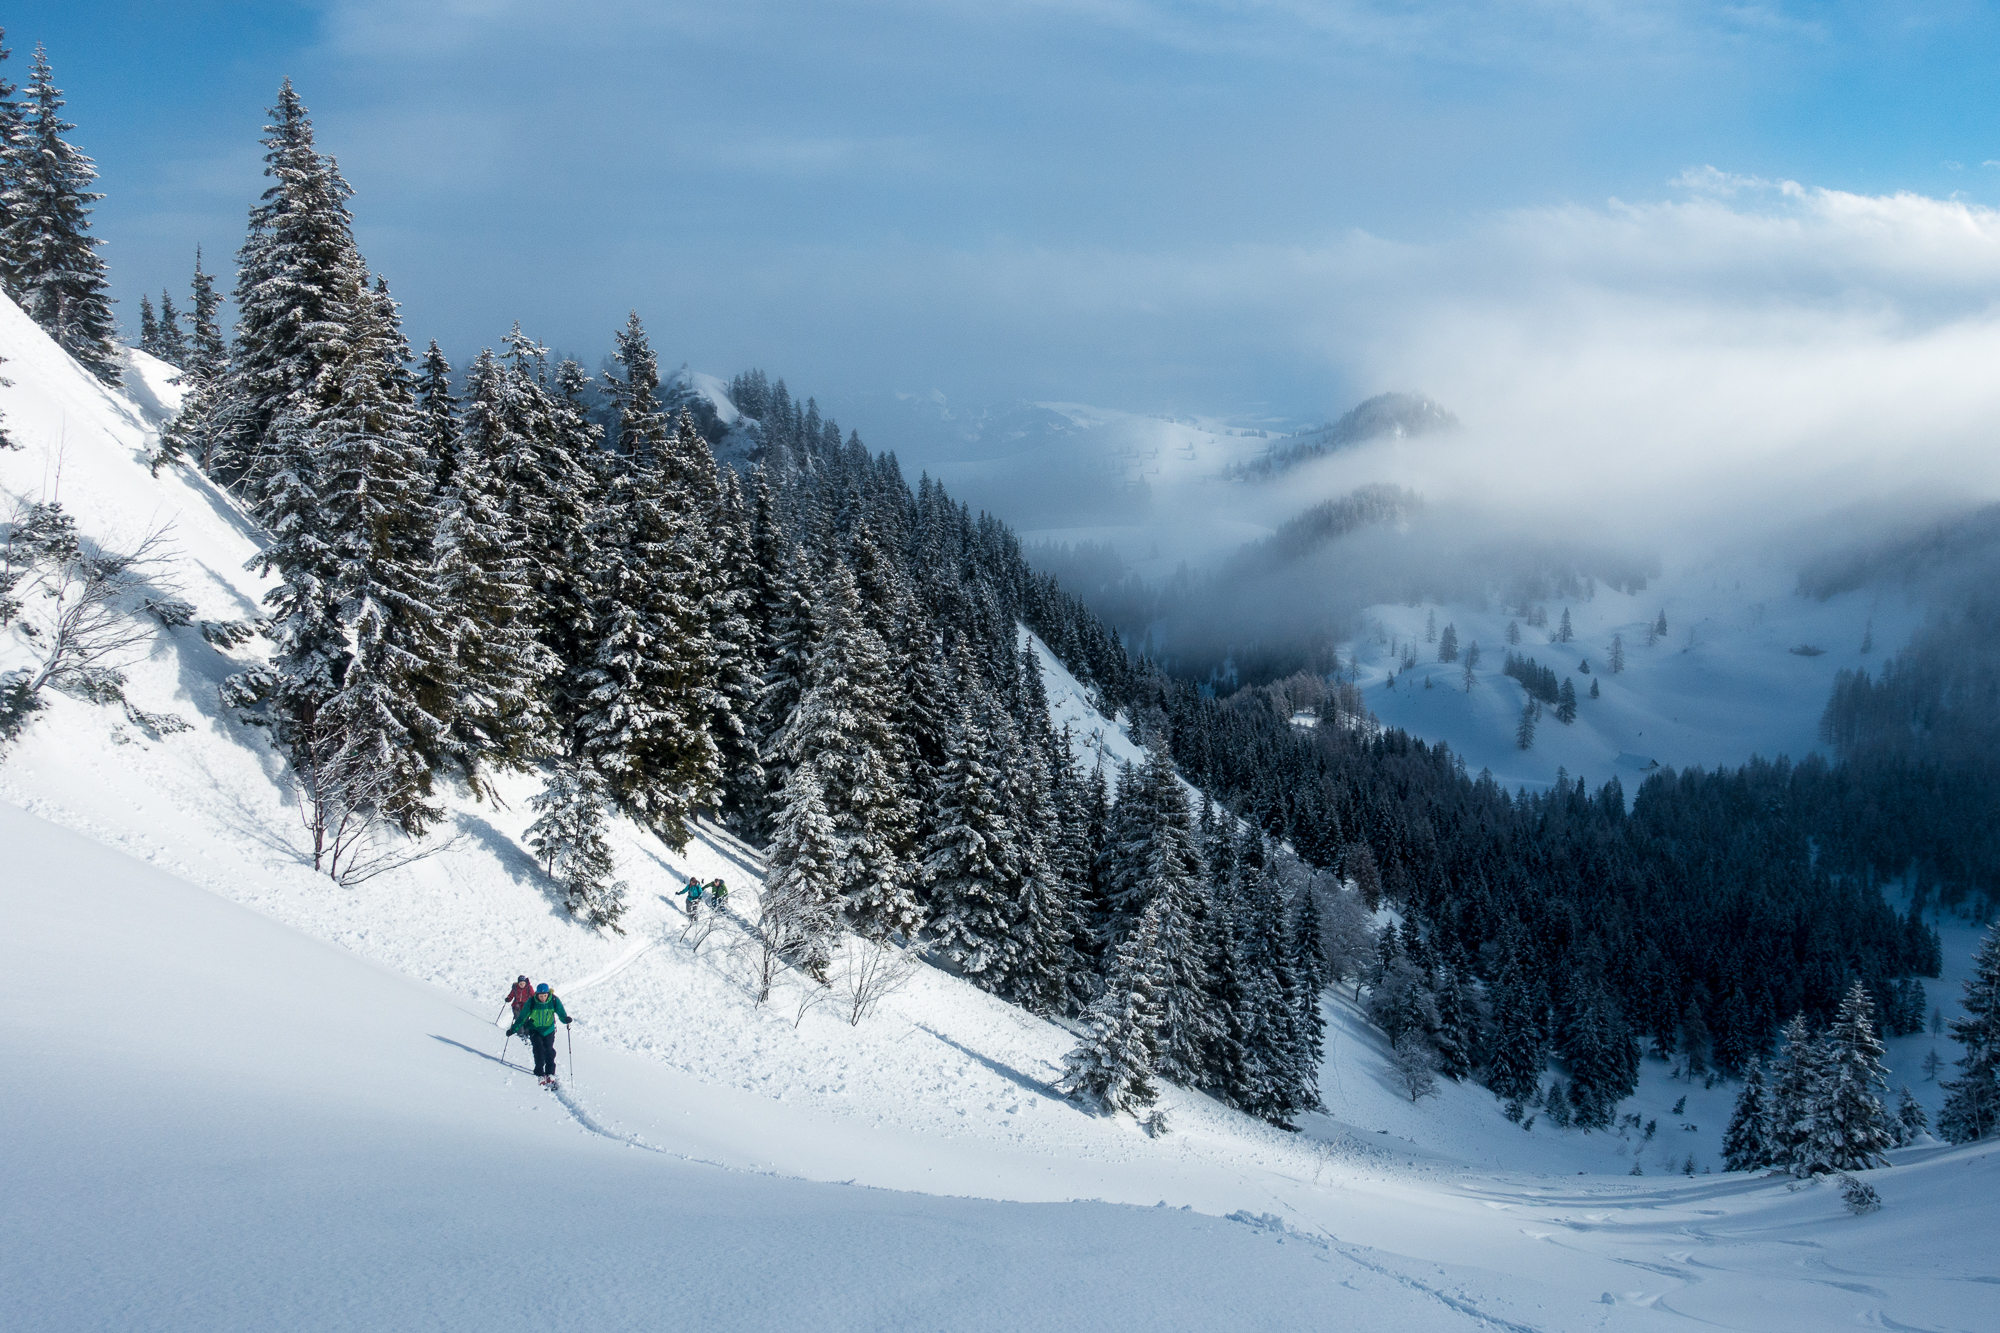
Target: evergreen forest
[517, 565]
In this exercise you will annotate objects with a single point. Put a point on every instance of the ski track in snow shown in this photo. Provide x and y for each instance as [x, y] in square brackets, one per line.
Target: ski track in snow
[946, 1091]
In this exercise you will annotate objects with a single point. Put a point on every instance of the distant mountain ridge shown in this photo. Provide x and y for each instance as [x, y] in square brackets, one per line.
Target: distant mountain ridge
[1400, 415]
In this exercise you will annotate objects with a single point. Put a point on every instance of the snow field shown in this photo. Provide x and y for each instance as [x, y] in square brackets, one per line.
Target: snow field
[1735, 691]
[230, 1123]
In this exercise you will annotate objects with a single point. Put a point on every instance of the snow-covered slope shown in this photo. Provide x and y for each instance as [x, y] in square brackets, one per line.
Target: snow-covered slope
[244, 1096]
[1722, 685]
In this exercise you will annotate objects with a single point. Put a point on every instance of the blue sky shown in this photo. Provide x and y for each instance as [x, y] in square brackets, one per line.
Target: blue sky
[1175, 206]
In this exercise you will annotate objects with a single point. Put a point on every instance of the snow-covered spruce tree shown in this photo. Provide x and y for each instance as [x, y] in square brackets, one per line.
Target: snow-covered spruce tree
[1911, 1122]
[1603, 1059]
[1455, 1039]
[1309, 953]
[1972, 1100]
[791, 632]
[842, 725]
[1156, 859]
[1850, 1124]
[739, 663]
[971, 859]
[1566, 702]
[1044, 907]
[1278, 1046]
[437, 416]
[1233, 1073]
[802, 894]
[311, 644]
[204, 418]
[568, 836]
[149, 327]
[1617, 653]
[542, 456]
[51, 263]
[1746, 1144]
[1795, 1098]
[1519, 1048]
[497, 714]
[12, 131]
[171, 338]
[644, 686]
[1114, 1063]
[393, 700]
[294, 288]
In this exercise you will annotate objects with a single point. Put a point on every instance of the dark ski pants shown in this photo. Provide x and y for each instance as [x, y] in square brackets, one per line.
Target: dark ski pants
[545, 1051]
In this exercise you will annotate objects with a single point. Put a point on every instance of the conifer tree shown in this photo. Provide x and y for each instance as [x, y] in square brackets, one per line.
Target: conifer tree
[1114, 1062]
[569, 838]
[51, 263]
[1972, 1100]
[802, 893]
[1155, 858]
[203, 419]
[1453, 1038]
[644, 685]
[971, 861]
[172, 341]
[13, 131]
[1911, 1122]
[737, 663]
[1519, 1053]
[1309, 951]
[498, 714]
[149, 327]
[1850, 1129]
[1448, 644]
[792, 629]
[1566, 702]
[1524, 730]
[1795, 1098]
[1746, 1144]
[392, 704]
[437, 414]
[842, 726]
[1617, 655]
[295, 284]
[1045, 907]
[1563, 632]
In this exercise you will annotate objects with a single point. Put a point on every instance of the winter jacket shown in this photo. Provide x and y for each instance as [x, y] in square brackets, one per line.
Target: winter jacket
[692, 892]
[520, 995]
[542, 1013]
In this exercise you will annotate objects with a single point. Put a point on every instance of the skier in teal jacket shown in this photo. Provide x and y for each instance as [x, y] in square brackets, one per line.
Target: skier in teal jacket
[537, 1021]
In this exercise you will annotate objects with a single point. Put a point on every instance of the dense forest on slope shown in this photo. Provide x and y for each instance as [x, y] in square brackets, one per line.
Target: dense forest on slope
[522, 566]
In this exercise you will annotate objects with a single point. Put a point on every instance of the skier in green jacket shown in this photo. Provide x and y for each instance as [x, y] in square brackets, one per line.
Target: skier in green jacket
[537, 1021]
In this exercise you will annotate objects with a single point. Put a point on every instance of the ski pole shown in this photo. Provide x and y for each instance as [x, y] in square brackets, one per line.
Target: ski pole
[570, 1037]
[504, 1045]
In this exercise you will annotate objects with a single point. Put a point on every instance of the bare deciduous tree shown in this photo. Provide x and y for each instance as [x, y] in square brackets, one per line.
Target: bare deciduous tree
[870, 971]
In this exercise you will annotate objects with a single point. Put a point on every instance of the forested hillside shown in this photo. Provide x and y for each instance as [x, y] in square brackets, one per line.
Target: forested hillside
[473, 575]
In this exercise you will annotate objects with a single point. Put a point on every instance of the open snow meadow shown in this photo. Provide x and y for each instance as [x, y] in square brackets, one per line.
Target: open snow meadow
[242, 1095]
